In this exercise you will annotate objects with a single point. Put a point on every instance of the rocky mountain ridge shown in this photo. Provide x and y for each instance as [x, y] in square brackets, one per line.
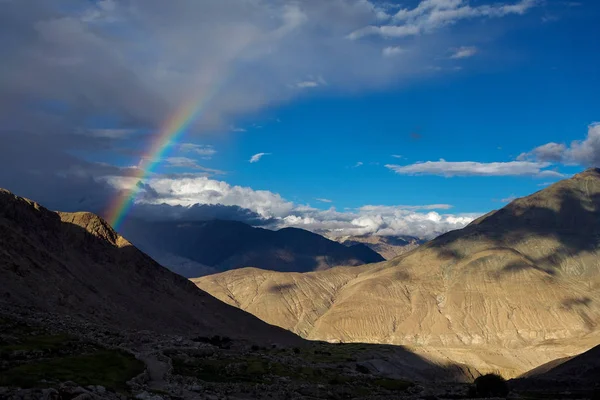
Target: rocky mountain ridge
[388, 246]
[76, 264]
[196, 248]
[513, 290]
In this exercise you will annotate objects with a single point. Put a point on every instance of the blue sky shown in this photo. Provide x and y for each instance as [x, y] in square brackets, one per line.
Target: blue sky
[492, 110]
[346, 109]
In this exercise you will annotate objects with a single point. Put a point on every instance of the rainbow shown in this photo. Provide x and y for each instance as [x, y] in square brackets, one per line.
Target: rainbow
[172, 131]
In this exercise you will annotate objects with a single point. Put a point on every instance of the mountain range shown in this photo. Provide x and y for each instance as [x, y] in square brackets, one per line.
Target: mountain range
[84, 314]
[517, 288]
[388, 246]
[196, 248]
[515, 292]
[75, 264]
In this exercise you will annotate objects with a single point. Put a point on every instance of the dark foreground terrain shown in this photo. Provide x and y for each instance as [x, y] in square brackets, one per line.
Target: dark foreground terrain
[68, 359]
[52, 357]
[85, 315]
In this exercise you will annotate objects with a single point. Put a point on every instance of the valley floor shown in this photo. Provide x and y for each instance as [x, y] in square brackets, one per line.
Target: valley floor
[54, 357]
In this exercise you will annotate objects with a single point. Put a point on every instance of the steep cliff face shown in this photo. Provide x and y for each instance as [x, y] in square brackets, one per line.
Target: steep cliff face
[513, 290]
[76, 264]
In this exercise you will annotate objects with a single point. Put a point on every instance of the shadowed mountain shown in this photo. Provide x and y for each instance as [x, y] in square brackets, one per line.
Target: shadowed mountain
[76, 264]
[73, 269]
[516, 288]
[579, 374]
[194, 249]
[388, 246]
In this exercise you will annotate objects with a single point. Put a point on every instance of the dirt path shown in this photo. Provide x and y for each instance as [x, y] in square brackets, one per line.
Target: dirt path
[157, 369]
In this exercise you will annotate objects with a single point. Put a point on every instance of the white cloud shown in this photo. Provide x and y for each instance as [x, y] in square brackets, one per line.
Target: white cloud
[464, 52]
[111, 133]
[144, 75]
[431, 15]
[384, 209]
[397, 156]
[587, 151]
[257, 157]
[323, 200]
[307, 84]
[392, 51]
[472, 168]
[312, 82]
[580, 152]
[536, 162]
[416, 220]
[509, 199]
[204, 150]
[358, 164]
[186, 162]
[549, 152]
[234, 129]
[377, 220]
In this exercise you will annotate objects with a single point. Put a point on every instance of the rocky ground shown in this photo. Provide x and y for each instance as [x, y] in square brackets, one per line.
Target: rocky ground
[54, 357]
[57, 357]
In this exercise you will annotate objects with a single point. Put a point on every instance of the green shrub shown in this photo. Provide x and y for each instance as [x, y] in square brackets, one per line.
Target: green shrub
[491, 385]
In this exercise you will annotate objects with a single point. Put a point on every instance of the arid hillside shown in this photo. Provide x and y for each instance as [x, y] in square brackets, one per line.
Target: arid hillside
[388, 246]
[515, 289]
[75, 264]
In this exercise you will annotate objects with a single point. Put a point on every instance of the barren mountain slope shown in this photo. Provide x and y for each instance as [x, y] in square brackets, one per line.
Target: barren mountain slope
[579, 374]
[388, 246]
[196, 248]
[515, 289]
[75, 264]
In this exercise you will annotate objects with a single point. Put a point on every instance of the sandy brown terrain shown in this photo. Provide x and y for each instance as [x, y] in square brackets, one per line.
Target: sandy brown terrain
[388, 246]
[515, 289]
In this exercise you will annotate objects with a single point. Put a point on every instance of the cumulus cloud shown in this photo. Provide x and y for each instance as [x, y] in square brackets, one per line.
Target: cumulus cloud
[584, 152]
[181, 198]
[472, 168]
[542, 161]
[377, 220]
[549, 152]
[187, 191]
[464, 52]
[258, 156]
[431, 15]
[196, 212]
